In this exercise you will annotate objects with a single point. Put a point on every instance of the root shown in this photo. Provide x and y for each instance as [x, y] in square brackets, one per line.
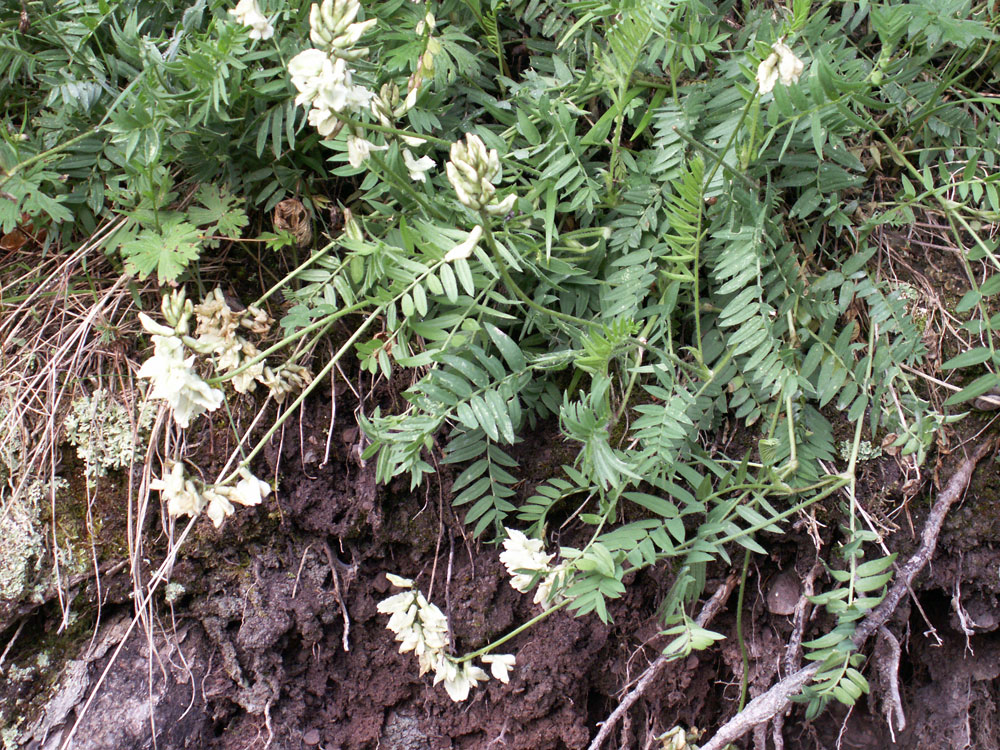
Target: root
[708, 612]
[887, 655]
[776, 700]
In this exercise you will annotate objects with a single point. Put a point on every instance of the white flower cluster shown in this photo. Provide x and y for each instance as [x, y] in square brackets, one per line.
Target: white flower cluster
[248, 13]
[422, 628]
[188, 497]
[333, 28]
[173, 375]
[473, 171]
[218, 327]
[526, 562]
[325, 82]
[321, 75]
[781, 64]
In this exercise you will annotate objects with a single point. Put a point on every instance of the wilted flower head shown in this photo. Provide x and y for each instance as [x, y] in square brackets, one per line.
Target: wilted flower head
[188, 497]
[781, 64]
[285, 379]
[248, 13]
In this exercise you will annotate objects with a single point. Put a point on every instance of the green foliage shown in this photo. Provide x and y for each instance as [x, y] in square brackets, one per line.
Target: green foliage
[682, 251]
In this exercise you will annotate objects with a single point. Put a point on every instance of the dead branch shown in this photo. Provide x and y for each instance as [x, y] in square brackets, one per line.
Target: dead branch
[708, 612]
[778, 698]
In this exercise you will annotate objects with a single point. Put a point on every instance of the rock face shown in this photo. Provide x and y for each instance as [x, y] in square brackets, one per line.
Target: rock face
[140, 697]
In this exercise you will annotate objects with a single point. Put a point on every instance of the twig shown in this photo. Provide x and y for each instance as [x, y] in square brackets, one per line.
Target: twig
[793, 652]
[10, 644]
[340, 596]
[887, 655]
[778, 698]
[708, 612]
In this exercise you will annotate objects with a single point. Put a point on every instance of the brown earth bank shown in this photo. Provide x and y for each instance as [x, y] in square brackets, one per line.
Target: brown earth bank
[269, 636]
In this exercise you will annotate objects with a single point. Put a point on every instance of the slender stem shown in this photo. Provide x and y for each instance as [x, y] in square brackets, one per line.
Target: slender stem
[379, 128]
[518, 292]
[739, 632]
[320, 377]
[512, 634]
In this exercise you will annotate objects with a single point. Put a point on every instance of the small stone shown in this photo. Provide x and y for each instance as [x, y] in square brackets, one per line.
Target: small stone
[311, 737]
[783, 594]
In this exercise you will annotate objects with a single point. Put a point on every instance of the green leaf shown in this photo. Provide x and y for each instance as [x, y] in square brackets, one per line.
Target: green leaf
[971, 357]
[168, 251]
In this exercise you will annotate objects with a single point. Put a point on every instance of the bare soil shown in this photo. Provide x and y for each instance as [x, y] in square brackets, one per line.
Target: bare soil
[275, 640]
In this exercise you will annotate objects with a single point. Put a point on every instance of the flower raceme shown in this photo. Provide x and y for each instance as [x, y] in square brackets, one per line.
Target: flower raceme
[472, 172]
[174, 379]
[526, 562]
[189, 497]
[781, 65]
[334, 29]
[421, 627]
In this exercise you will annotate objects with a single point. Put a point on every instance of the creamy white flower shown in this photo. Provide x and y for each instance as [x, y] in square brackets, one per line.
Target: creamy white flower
[459, 679]
[248, 13]
[500, 665]
[554, 580]
[175, 381]
[325, 121]
[421, 627]
[465, 248]
[338, 92]
[152, 326]
[790, 67]
[417, 167]
[781, 64]
[358, 150]
[473, 172]
[524, 554]
[767, 73]
[333, 27]
[328, 86]
[219, 507]
[181, 494]
[250, 490]
[503, 207]
[398, 581]
[309, 69]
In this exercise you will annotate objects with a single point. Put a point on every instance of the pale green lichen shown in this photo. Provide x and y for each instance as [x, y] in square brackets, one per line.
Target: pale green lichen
[173, 591]
[11, 450]
[22, 546]
[866, 451]
[105, 433]
[9, 738]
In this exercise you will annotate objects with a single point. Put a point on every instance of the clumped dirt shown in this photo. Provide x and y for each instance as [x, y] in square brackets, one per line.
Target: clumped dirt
[275, 641]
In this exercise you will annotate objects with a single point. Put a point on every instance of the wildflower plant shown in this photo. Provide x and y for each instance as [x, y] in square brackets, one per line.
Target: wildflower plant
[619, 221]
